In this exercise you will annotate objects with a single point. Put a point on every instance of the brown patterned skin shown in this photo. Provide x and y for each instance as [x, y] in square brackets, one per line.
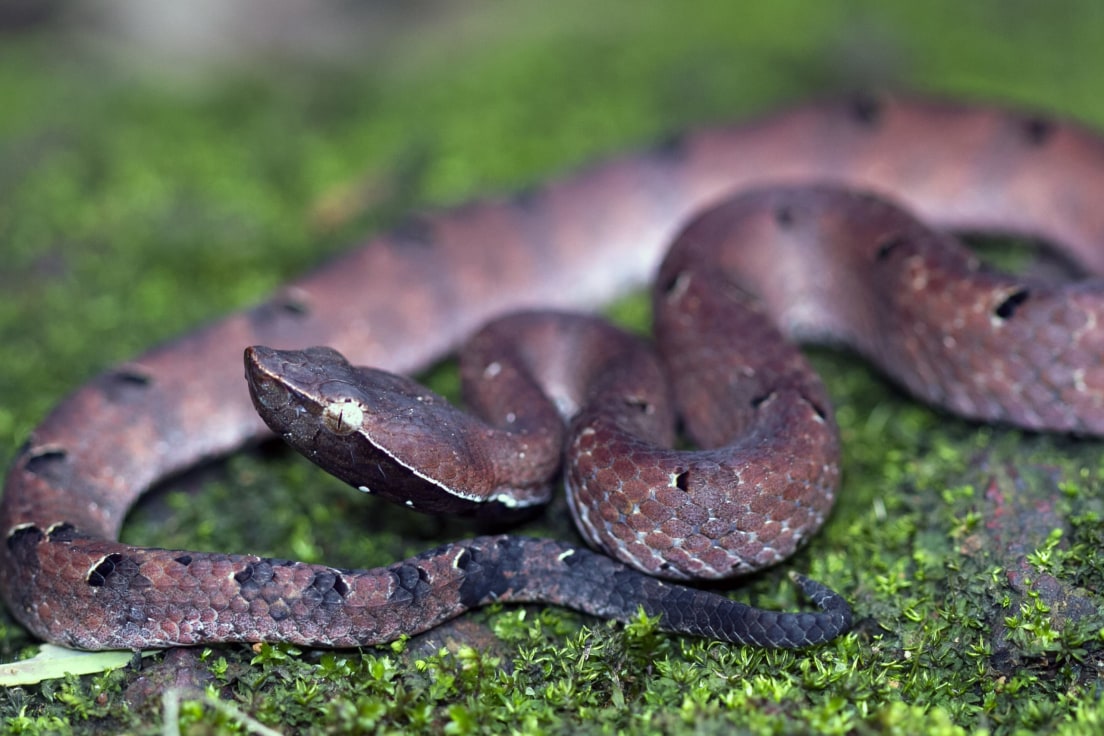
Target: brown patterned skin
[389, 436]
[745, 502]
[405, 298]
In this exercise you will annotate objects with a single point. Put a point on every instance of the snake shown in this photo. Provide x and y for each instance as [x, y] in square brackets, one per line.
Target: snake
[827, 221]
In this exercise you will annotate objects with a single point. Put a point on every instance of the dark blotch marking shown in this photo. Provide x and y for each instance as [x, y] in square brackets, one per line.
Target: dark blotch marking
[784, 216]
[340, 586]
[51, 465]
[184, 560]
[97, 576]
[278, 611]
[669, 149]
[1038, 130]
[291, 306]
[682, 480]
[28, 535]
[528, 199]
[64, 532]
[466, 559]
[276, 312]
[253, 580]
[758, 401]
[576, 558]
[125, 384]
[1011, 303]
[329, 587]
[672, 283]
[484, 577]
[413, 580]
[415, 232]
[888, 245]
[865, 110]
[735, 567]
[820, 411]
[255, 573]
[23, 549]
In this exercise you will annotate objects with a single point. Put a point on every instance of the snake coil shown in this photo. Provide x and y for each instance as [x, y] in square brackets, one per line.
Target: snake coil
[803, 258]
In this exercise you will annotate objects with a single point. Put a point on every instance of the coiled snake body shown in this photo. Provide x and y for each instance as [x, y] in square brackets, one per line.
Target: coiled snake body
[822, 262]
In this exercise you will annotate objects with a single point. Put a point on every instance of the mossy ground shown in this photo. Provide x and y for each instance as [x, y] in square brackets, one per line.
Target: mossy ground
[132, 208]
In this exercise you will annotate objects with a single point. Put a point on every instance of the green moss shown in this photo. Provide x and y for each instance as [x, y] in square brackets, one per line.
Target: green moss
[131, 211]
